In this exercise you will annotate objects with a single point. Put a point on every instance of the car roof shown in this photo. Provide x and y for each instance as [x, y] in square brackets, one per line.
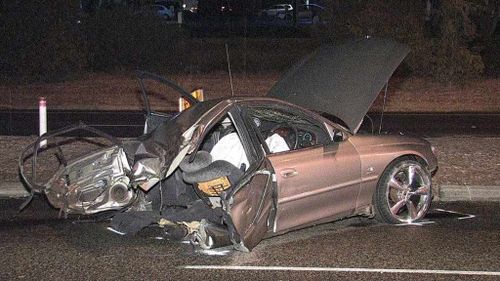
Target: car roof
[259, 100]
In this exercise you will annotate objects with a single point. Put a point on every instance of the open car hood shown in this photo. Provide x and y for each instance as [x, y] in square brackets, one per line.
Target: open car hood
[342, 80]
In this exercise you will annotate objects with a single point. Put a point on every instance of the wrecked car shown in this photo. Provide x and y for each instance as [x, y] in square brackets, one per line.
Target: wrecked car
[234, 171]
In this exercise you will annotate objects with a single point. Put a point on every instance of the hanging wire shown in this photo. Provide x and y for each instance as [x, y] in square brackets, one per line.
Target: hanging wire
[383, 108]
[161, 199]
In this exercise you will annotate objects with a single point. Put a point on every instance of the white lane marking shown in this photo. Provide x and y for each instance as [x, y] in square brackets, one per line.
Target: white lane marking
[115, 231]
[465, 216]
[341, 269]
[421, 223]
[215, 252]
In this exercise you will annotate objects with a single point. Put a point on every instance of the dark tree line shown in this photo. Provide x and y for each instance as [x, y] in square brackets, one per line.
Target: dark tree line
[451, 40]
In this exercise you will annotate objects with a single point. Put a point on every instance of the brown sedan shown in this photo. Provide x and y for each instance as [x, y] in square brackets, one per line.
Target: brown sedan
[237, 170]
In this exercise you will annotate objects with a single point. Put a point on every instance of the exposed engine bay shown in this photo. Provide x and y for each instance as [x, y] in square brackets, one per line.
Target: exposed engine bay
[134, 179]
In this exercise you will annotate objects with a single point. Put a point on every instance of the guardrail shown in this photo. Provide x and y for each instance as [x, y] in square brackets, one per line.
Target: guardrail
[131, 123]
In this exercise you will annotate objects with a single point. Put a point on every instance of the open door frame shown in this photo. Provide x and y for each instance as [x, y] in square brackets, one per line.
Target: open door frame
[154, 118]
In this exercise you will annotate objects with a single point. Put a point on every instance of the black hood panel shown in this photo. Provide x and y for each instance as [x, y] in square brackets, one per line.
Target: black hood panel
[342, 80]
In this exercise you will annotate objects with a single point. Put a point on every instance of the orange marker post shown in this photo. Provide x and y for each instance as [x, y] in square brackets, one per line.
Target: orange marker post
[197, 94]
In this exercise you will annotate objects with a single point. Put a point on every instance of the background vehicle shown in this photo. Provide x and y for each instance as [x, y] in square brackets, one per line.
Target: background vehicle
[279, 11]
[162, 11]
[312, 14]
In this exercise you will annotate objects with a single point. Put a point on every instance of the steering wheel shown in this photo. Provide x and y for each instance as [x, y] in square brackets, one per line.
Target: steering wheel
[288, 132]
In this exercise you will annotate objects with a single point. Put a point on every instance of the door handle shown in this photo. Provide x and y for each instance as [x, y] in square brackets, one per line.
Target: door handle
[288, 173]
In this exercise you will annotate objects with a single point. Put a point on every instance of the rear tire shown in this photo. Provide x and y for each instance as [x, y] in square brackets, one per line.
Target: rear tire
[403, 193]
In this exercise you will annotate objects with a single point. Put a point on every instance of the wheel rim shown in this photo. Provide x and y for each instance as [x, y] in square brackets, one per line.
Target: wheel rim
[408, 192]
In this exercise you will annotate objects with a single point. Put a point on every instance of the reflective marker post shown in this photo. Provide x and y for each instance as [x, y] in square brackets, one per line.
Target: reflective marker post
[42, 117]
[179, 18]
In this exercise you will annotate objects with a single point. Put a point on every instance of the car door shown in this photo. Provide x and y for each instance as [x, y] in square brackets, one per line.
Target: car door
[154, 118]
[316, 183]
[252, 204]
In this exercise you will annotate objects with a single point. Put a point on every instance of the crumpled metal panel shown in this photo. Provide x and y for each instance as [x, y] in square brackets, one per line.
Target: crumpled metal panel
[94, 183]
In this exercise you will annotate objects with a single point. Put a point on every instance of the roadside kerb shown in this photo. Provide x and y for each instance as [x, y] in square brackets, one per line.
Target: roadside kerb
[446, 193]
[468, 193]
[13, 190]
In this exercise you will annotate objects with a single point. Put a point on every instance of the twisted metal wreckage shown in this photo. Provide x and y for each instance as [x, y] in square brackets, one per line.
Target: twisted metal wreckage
[323, 171]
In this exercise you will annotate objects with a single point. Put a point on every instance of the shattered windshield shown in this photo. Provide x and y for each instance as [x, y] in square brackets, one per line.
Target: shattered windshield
[278, 116]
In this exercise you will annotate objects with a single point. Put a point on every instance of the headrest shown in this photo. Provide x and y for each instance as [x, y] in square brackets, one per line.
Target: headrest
[217, 169]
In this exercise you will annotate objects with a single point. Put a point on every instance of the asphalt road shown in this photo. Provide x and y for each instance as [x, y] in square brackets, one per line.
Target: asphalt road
[130, 123]
[36, 245]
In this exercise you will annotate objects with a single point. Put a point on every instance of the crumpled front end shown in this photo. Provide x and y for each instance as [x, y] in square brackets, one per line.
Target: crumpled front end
[106, 179]
[155, 179]
[95, 183]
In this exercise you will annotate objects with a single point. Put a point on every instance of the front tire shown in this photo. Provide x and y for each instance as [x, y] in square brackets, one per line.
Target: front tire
[403, 193]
